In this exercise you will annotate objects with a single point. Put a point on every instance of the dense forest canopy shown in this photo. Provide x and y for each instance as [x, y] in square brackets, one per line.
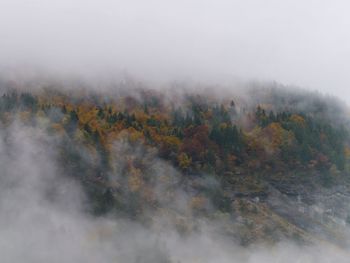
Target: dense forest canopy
[268, 128]
[132, 149]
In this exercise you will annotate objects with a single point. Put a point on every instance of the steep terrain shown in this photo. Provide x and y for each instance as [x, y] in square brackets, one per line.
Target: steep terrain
[263, 165]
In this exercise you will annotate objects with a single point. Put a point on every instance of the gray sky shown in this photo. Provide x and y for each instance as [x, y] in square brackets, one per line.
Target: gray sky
[302, 42]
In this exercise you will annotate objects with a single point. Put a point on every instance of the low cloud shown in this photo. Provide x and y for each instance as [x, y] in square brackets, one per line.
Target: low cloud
[43, 217]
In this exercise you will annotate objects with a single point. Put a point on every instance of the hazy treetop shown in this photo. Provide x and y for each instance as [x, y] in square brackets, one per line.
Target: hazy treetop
[294, 42]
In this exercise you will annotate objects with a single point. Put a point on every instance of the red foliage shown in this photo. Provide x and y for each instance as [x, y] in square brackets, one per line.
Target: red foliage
[196, 141]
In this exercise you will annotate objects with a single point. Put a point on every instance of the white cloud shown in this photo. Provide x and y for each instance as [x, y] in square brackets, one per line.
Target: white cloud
[294, 42]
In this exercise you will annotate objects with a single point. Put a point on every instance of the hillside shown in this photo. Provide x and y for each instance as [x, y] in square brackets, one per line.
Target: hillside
[265, 165]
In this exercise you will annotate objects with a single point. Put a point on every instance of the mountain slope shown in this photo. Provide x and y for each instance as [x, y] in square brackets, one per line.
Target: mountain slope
[261, 166]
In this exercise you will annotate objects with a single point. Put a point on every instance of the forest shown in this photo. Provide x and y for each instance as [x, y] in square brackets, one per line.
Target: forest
[132, 151]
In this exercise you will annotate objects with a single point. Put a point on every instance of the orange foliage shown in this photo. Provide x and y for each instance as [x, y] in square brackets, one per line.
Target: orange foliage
[198, 202]
[135, 181]
[297, 119]
[184, 161]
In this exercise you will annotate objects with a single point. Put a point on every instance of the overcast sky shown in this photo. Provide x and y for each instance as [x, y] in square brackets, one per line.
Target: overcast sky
[302, 42]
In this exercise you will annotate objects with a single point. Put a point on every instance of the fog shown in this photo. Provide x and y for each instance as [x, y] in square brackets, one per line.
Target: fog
[42, 219]
[44, 213]
[304, 43]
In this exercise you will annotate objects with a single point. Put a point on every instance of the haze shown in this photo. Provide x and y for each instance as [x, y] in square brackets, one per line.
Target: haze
[303, 43]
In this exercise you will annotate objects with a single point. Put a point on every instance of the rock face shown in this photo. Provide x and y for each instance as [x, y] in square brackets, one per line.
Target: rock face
[315, 214]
